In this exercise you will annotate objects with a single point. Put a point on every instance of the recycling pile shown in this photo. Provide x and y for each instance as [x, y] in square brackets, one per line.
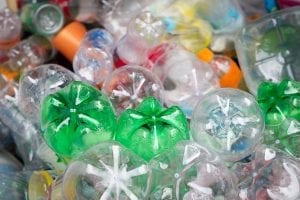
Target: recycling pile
[142, 99]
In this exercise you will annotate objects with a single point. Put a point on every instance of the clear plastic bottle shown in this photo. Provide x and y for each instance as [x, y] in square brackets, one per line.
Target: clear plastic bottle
[25, 134]
[185, 78]
[79, 10]
[229, 122]
[144, 32]
[268, 49]
[271, 174]
[189, 171]
[128, 86]
[37, 83]
[115, 16]
[42, 18]
[107, 171]
[10, 28]
[30, 53]
[93, 60]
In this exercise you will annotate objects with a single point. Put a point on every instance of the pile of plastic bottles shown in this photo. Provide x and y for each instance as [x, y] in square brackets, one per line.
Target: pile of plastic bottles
[149, 99]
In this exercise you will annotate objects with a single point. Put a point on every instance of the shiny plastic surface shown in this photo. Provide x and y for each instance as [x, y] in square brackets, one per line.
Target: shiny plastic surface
[226, 19]
[116, 15]
[30, 53]
[185, 78]
[281, 109]
[75, 118]
[8, 163]
[128, 86]
[107, 171]
[42, 18]
[268, 49]
[25, 134]
[150, 129]
[190, 171]
[144, 32]
[37, 83]
[228, 121]
[271, 174]
[10, 28]
[93, 60]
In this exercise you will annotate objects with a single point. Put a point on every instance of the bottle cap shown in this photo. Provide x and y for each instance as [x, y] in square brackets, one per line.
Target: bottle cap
[68, 40]
[205, 55]
[233, 77]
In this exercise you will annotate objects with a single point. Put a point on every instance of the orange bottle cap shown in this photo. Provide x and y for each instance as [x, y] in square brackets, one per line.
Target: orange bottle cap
[205, 55]
[68, 40]
[233, 77]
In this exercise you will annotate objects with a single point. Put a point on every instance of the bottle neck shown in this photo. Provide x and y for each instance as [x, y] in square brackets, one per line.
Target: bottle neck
[45, 185]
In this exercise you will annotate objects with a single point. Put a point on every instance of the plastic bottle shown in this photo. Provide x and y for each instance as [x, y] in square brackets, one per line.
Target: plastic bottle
[42, 18]
[30, 53]
[185, 78]
[268, 49]
[226, 69]
[10, 29]
[144, 32]
[93, 61]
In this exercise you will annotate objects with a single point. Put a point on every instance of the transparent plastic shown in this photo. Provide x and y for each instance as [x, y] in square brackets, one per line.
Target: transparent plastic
[128, 86]
[93, 60]
[116, 15]
[13, 185]
[107, 171]
[26, 135]
[268, 49]
[151, 129]
[182, 23]
[8, 163]
[224, 16]
[50, 158]
[190, 171]
[75, 118]
[37, 83]
[253, 9]
[144, 32]
[99, 38]
[30, 53]
[33, 185]
[271, 174]
[10, 28]
[42, 18]
[6, 138]
[280, 106]
[226, 19]
[228, 121]
[44, 185]
[185, 78]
